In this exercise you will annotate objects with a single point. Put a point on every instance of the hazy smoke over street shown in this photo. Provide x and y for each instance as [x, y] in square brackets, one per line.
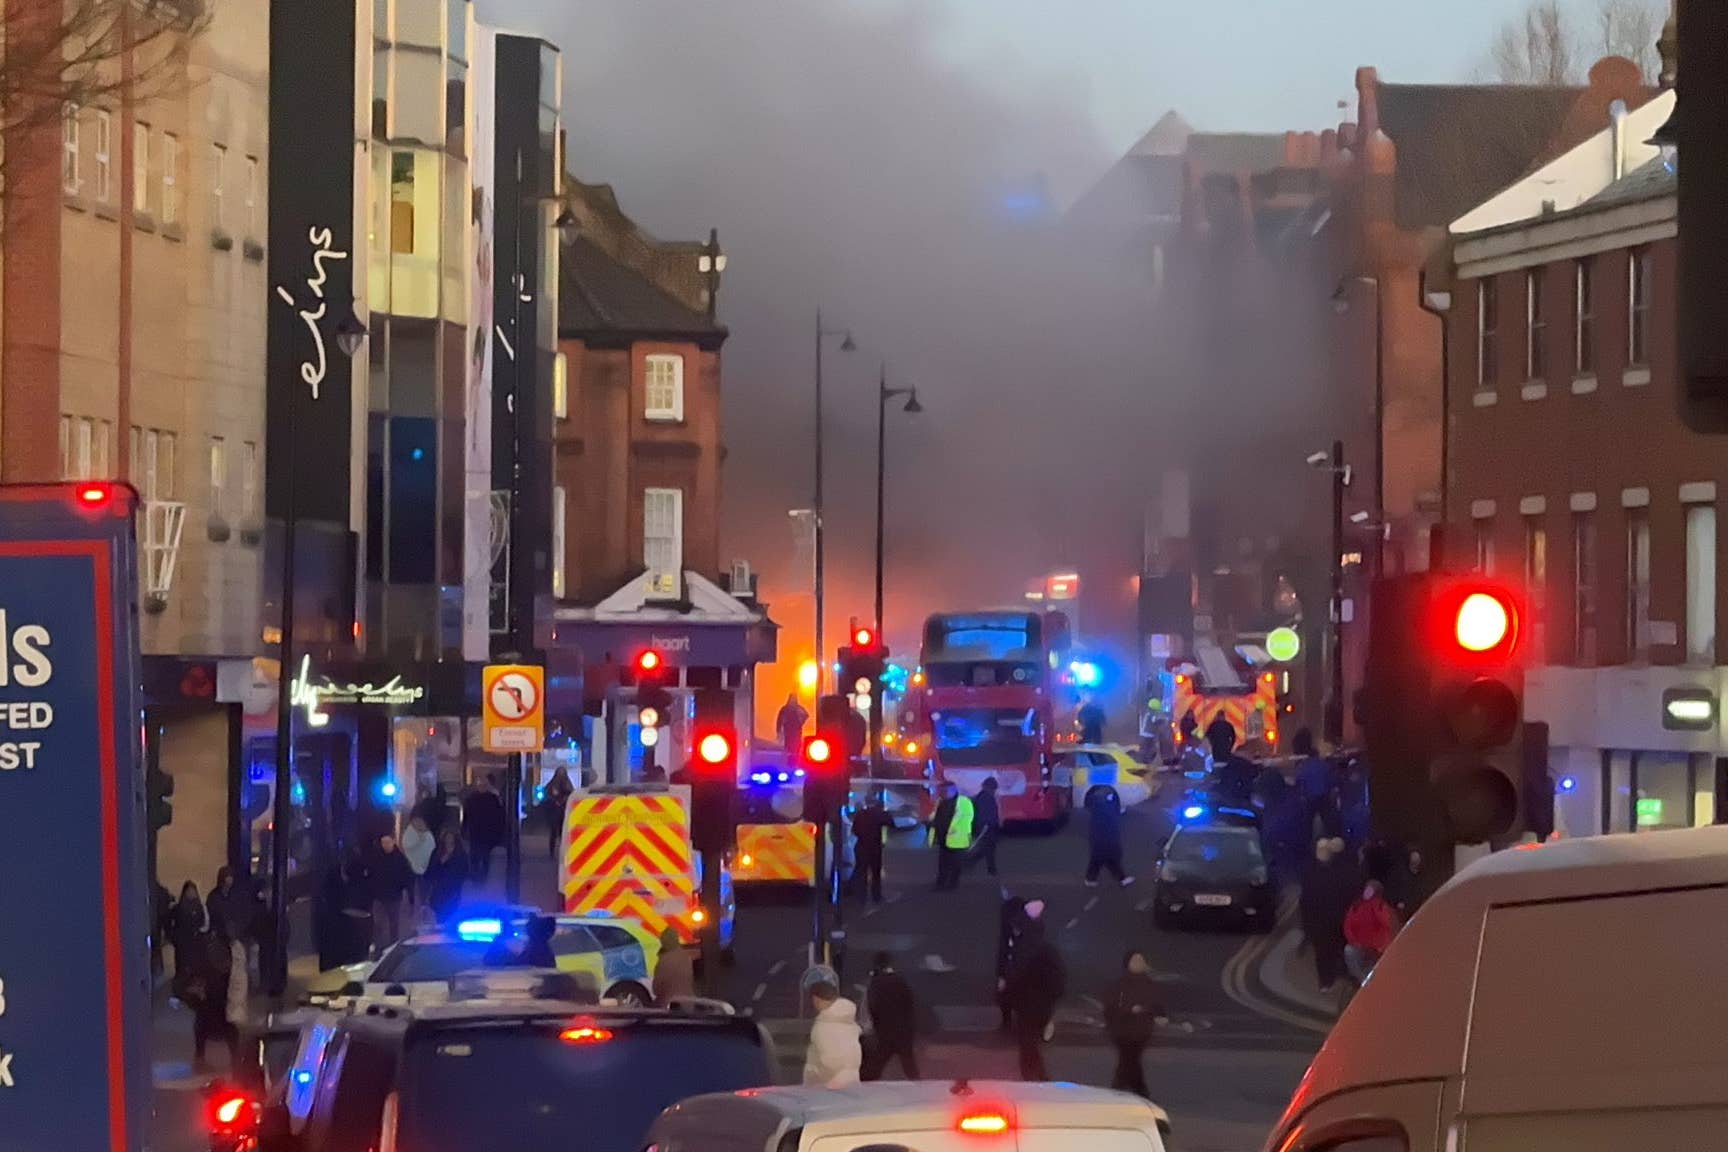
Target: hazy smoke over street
[846, 165]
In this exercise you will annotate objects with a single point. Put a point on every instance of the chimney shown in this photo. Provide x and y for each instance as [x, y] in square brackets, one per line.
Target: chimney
[1617, 136]
[1668, 48]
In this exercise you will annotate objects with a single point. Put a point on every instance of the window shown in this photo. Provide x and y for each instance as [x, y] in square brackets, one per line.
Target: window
[663, 531]
[140, 167]
[218, 177]
[1485, 547]
[1637, 584]
[1638, 272]
[251, 195]
[1535, 326]
[69, 174]
[560, 387]
[166, 484]
[65, 447]
[104, 157]
[1536, 579]
[1584, 590]
[1701, 583]
[558, 575]
[1487, 321]
[1583, 321]
[83, 444]
[135, 457]
[665, 375]
[100, 451]
[249, 481]
[150, 461]
[218, 478]
[170, 170]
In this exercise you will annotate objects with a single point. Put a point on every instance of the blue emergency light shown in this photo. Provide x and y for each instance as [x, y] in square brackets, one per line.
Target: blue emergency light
[1193, 812]
[1568, 783]
[480, 929]
[761, 778]
[785, 777]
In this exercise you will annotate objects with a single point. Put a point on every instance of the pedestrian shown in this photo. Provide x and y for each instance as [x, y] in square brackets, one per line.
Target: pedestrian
[207, 994]
[870, 827]
[391, 879]
[1008, 935]
[429, 808]
[446, 873]
[1131, 1012]
[483, 824]
[789, 723]
[1220, 736]
[229, 908]
[987, 822]
[892, 1010]
[418, 844]
[1188, 727]
[329, 927]
[530, 948]
[186, 924]
[835, 1055]
[1091, 721]
[1315, 781]
[1034, 987]
[1104, 835]
[675, 970]
[559, 789]
[1233, 775]
[1405, 887]
[357, 905]
[951, 832]
[1369, 928]
[1327, 884]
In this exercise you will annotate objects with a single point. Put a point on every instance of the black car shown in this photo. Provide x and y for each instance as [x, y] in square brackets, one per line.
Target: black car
[1216, 872]
[263, 1051]
[522, 1076]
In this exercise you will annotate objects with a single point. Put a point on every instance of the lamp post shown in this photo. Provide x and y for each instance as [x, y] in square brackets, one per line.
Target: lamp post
[846, 345]
[349, 334]
[1333, 462]
[519, 626]
[883, 395]
[1341, 304]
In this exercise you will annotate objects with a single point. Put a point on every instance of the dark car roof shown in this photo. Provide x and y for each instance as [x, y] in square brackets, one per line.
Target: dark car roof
[389, 1022]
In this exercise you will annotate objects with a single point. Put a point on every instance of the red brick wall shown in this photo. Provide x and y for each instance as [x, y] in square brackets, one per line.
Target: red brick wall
[30, 357]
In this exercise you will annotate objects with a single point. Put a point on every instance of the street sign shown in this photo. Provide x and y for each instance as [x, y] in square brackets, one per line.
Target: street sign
[513, 699]
[1283, 644]
[74, 952]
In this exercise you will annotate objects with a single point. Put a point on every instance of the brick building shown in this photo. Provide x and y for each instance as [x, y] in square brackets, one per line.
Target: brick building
[1573, 474]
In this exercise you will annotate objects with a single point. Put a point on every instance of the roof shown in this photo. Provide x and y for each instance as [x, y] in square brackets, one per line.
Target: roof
[708, 603]
[1649, 181]
[1411, 1020]
[1168, 137]
[603, 298]
[1458, 144]
[859, 1109]
[1236, 151]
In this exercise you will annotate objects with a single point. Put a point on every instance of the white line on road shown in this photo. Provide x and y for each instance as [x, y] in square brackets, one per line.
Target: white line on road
[761, 991]
[1143, 906]
[1091, 904]
[1071, 925]
[776, 968]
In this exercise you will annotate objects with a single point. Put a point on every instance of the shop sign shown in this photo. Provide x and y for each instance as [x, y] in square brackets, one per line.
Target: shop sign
[313, 695]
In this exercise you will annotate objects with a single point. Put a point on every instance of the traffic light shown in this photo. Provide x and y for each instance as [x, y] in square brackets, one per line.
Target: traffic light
[824, 777]
[1443, 712]
[713, 772]
[159, 791]
[863, 663]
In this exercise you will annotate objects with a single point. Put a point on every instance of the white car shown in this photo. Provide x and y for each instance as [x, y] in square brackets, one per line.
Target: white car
[921, 1116]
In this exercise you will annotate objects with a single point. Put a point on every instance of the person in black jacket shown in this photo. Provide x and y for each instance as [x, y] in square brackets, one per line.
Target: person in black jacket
[1329, 883]
[1007, 942]
[446, 873]
[939, 823]
[986, 824]
[391, 879]
[532, 949]
[893, 1012]
[1131, 1011]
[870, 827]
[1034, 987]
[483, 824]
[1104, 835]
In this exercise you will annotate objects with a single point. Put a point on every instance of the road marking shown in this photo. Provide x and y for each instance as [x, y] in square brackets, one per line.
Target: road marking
[872, 910]
[1250, 956]
[1143, 906]
[1090, 904]
[776, 968]
[761, 991]
[1071, 925]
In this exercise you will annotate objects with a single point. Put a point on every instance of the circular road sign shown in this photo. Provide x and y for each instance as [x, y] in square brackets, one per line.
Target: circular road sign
[1283, 644]
[514, 696]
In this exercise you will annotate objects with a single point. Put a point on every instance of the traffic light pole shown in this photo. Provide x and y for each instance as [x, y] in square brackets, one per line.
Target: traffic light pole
[1335, 702]
[710, 934]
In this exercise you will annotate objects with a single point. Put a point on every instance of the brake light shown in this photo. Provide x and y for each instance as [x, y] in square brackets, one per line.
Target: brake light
[232, 1112]
[585, 1032]
[984, 1123]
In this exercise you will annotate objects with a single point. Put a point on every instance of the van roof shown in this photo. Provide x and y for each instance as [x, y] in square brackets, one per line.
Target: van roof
[1411, 1019]
[861, 1108]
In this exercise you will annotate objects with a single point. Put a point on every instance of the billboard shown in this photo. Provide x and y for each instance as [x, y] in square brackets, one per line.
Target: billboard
[308, 383]
[75, 900]
[479, 530]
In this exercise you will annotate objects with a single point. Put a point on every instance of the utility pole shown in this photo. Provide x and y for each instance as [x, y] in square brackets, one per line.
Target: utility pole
[1335, 705]
[821, 652]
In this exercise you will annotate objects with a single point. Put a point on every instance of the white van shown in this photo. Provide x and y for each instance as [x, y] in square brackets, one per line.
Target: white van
[1568, 996]
[925, 1116]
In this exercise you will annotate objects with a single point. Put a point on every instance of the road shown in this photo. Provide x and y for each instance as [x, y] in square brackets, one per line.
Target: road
[1222, 1069]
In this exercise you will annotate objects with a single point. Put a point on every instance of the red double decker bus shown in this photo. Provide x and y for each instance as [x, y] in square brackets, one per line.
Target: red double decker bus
[986, 707]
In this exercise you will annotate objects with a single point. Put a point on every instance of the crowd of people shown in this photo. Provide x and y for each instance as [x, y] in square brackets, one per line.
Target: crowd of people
[215, 943]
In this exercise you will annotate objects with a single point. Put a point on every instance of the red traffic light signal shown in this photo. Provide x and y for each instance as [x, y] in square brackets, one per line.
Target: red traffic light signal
[649, 662]
[818, 751]
[1484, 622]
[715, 749]
[863, 638]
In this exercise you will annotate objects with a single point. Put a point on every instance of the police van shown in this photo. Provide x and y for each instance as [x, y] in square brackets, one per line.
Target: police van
[920, 1116]
[1564, 997]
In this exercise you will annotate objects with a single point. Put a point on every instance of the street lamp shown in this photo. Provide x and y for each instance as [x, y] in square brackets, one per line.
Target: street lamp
[349, 334]
[846, 345]
[711, 263]
[1333, 462]
[883, 395]
[1341, 305]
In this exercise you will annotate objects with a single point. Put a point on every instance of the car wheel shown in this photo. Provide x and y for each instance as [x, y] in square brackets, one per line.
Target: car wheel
[631, 995]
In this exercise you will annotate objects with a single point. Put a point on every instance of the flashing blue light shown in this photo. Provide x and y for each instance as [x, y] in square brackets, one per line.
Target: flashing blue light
[486, 928]
[417, 454]
[539, 794]
[761, 778]
[388, 789]
[784, 777]
[303, 1077]
[1568, 783]
[1193, 812]
[297, 793]
[798, 772]
[1238, 811]
[1086, 674]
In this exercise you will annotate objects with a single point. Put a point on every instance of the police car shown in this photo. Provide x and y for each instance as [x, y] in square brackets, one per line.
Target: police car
[619, 955]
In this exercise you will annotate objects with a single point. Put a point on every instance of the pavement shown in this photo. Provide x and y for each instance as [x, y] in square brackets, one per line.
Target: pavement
[1241, 1028]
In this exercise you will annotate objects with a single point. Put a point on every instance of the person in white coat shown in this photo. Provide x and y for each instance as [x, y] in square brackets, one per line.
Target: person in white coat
[836, 1053]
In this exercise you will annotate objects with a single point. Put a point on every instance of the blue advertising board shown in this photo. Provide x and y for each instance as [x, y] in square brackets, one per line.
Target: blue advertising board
[74, 899]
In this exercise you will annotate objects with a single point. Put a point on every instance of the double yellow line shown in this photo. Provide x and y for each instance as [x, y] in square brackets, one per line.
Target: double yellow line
[1248, 959]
